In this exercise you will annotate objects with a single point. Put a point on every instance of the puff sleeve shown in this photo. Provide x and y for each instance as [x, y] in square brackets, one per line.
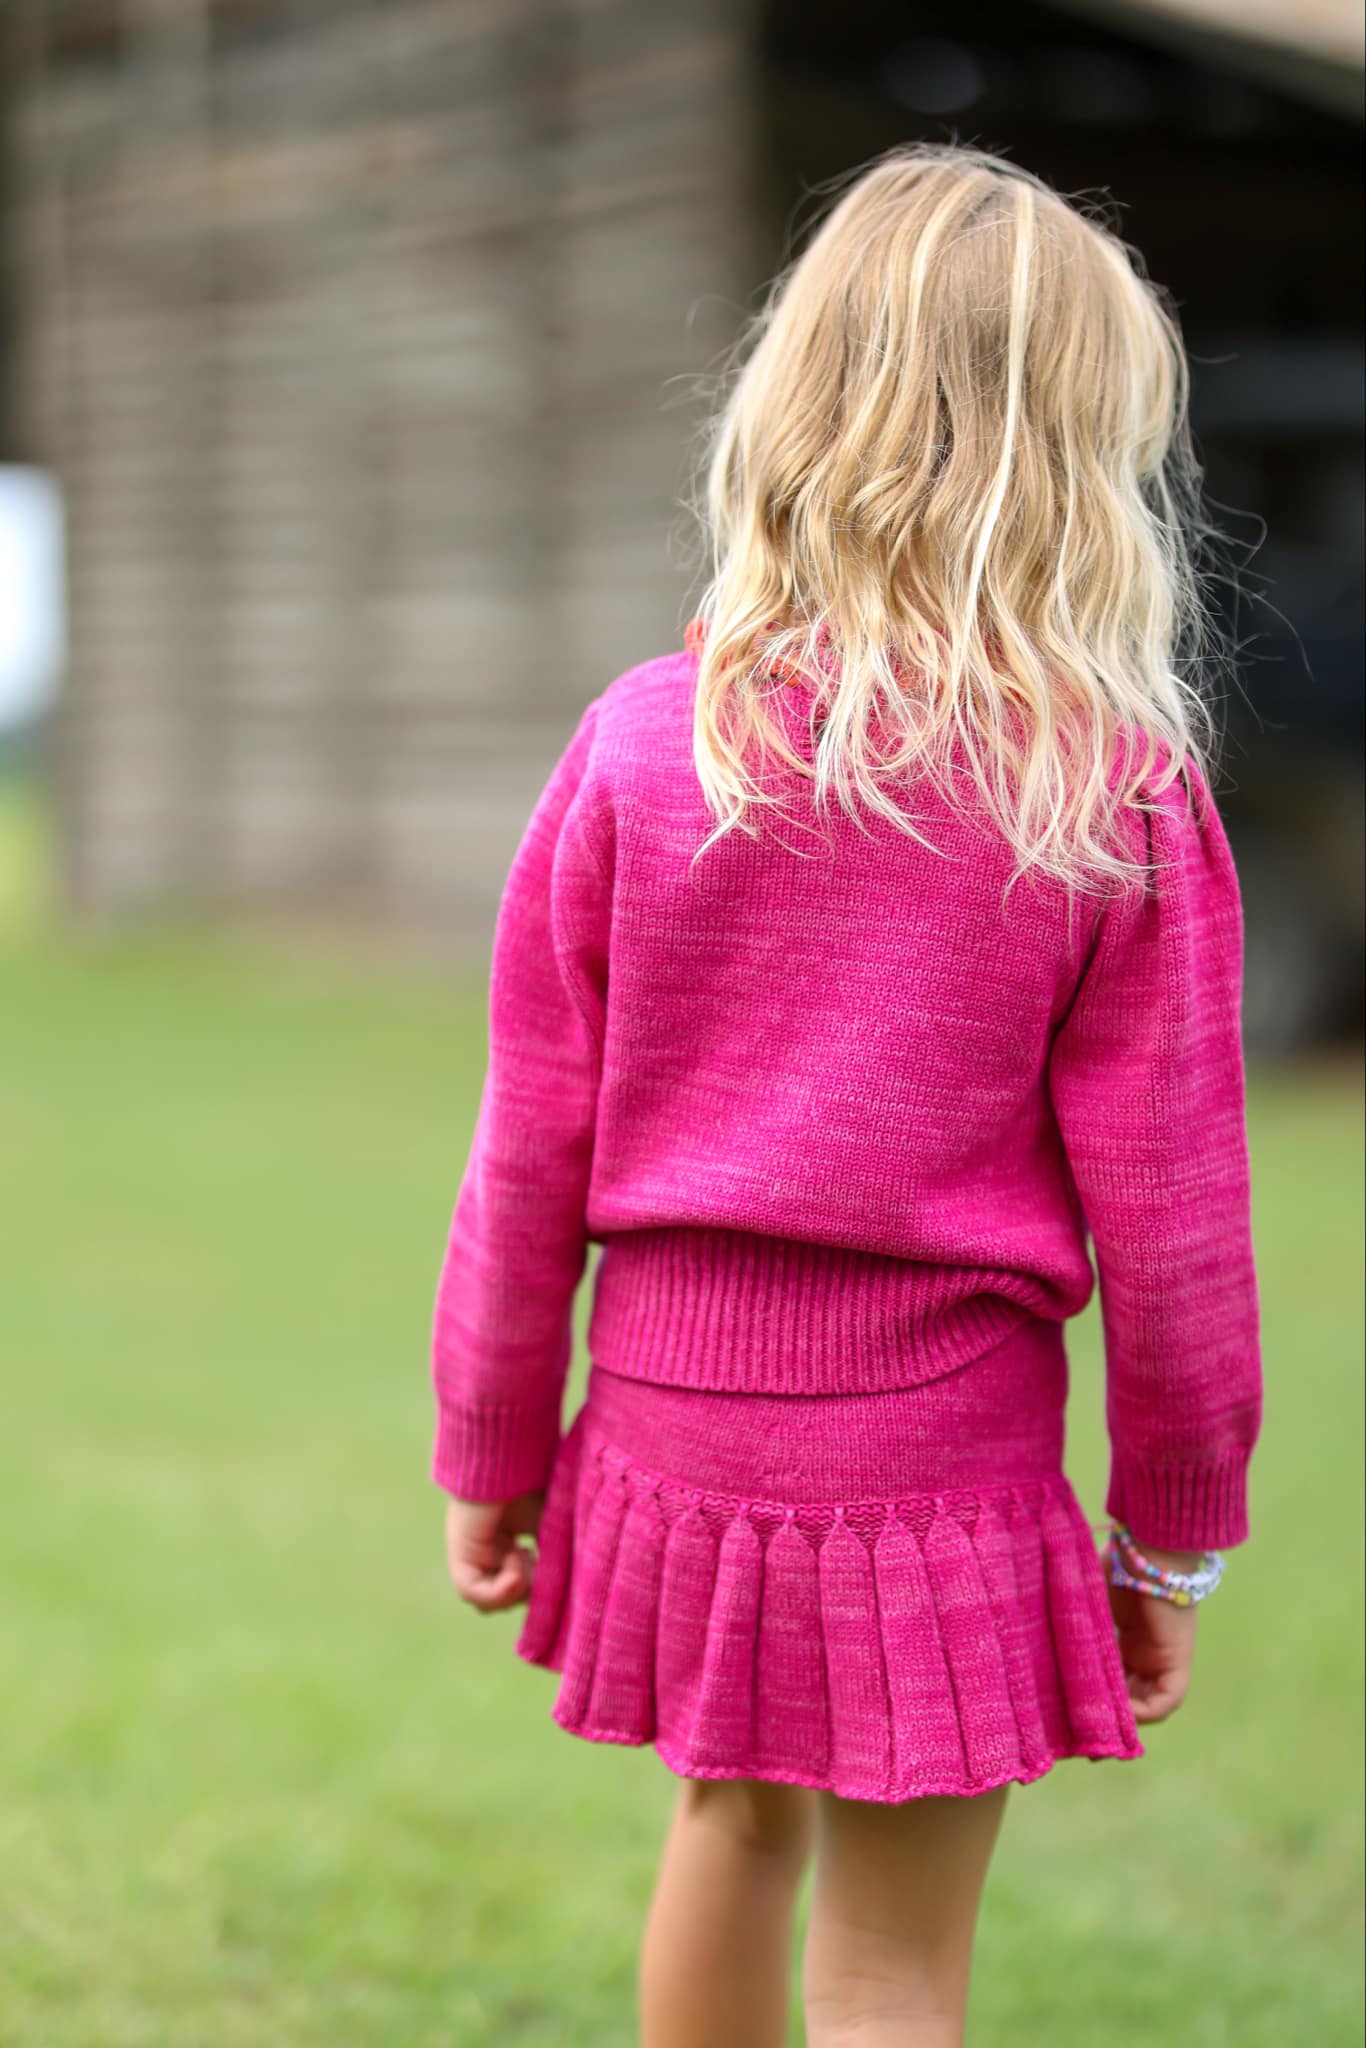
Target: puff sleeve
[517, 1246]
[1147, 1080]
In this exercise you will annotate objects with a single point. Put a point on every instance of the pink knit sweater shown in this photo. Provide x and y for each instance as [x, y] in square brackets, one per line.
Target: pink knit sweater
[841, 1120]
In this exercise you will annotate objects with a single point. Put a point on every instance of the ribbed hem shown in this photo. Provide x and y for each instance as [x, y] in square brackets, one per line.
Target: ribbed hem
[494, 1452]
[1182, 1507]
[735, 1312]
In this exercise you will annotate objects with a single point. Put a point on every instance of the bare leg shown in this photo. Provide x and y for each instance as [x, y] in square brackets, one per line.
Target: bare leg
[717, 1950]
[893, 1916]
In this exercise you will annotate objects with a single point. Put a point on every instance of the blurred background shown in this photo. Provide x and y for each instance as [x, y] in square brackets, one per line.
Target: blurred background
[349, 367]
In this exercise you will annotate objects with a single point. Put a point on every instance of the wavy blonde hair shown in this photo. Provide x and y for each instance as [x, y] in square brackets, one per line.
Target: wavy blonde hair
[953, 486]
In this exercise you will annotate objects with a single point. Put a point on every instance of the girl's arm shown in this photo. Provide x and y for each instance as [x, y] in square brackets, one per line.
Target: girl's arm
[1148, 1085]
[501, 1334]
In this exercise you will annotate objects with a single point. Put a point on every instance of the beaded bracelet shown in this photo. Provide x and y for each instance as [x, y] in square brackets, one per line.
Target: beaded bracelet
[1129, 1567]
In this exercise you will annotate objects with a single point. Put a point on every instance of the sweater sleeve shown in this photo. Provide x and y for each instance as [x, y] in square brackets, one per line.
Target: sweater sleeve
[502, 1325]
[1147, 1082]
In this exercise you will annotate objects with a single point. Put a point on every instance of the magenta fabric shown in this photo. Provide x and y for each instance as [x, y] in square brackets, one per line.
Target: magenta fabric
[884, 1595]
[842, 1120]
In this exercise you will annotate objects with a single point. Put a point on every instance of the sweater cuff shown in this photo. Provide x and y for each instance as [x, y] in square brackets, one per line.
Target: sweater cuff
[494, 1452]
[1182, 1507]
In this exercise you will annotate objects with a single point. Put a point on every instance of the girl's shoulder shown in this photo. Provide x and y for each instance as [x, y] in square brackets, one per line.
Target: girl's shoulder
[641, 692]
[642, 720]
[1145, 773]
[1171, 829]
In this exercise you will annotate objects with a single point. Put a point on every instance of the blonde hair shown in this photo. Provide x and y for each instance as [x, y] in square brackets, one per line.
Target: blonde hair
[953, 486]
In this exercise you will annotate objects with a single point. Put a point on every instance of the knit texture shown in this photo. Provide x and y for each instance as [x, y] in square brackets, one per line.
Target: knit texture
[841, 1117]
[885, 1595]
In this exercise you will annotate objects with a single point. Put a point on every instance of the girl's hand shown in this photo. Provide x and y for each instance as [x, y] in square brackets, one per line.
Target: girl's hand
[1156, 1640]
[489, 1567]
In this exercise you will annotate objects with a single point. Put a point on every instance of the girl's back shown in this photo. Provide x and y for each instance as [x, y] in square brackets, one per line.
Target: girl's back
[838, 1037]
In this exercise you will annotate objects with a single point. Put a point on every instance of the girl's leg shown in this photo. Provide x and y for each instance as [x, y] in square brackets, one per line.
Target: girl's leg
[718, 1942]
[893, 1915]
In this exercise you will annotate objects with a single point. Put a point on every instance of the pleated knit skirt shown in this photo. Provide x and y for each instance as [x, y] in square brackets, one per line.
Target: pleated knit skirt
[882, 1595]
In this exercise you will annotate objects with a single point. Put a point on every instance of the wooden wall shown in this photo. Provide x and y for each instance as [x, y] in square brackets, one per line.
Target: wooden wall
[350, 330]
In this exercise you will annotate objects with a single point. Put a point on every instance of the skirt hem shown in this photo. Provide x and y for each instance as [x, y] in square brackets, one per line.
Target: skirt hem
[816, 1782]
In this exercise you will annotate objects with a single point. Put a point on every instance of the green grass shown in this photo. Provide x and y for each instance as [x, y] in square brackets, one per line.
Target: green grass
[265, 1785]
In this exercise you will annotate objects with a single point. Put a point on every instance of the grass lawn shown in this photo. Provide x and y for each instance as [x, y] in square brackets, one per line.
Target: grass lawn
[265, 1784]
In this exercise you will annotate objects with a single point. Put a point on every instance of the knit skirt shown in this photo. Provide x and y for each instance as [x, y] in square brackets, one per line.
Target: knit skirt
[882, 1595]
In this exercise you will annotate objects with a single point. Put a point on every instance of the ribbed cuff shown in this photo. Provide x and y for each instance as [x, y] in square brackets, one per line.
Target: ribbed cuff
[494, 1452]
[1182, 1507]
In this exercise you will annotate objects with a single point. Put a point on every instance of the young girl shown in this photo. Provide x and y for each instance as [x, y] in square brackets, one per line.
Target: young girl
[859, 964]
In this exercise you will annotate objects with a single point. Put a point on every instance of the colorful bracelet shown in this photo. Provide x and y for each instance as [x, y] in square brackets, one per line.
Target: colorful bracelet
[1129, 1567]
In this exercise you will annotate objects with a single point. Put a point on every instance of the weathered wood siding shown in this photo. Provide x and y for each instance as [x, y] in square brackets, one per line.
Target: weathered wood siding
[350, 331]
